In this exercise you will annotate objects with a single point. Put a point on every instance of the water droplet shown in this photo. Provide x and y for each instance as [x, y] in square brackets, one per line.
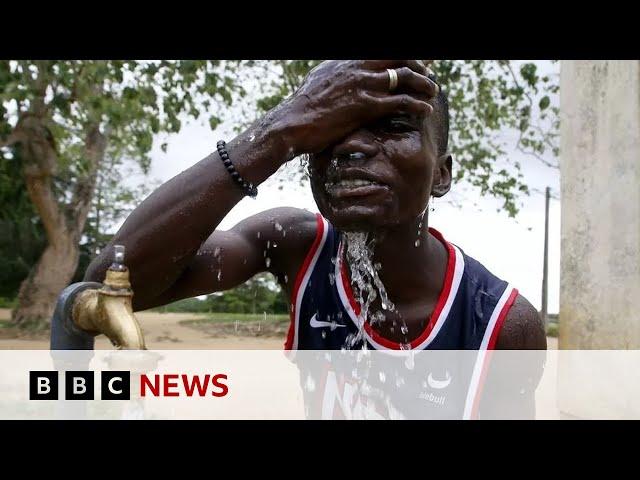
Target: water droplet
[382, 376]
[324, 334]
[216, 252]
[219, 274]
[275, 245]
[258, 234]
[268, 244]
[404, 329]
[267, 261]
[278, 227]
[286, 278]
[332, 278]
[417, 243]
[252, 138]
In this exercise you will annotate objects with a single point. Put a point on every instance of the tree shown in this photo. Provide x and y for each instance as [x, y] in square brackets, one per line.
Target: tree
[22, 237]
[63, 118]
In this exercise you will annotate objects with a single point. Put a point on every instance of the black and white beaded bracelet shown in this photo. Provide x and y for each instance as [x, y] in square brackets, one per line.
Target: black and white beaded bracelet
[248, 187]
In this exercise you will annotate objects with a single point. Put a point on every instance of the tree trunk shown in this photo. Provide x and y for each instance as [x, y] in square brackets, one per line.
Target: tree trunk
[63, 223]
[39, 291]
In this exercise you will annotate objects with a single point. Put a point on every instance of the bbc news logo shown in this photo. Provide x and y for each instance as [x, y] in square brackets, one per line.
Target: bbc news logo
[116, 385]
[80, 385]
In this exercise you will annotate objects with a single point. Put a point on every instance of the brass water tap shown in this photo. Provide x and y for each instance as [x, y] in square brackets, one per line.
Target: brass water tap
[108, 310]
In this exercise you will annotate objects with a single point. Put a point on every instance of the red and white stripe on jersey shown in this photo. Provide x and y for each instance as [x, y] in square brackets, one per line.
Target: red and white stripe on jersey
[302, 279]
[488, 344]
[453, 276]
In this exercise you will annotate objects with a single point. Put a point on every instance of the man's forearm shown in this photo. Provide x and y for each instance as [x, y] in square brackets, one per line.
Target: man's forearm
[163, 234]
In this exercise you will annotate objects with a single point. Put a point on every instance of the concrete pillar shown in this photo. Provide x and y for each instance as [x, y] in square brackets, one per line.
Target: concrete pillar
[600, 184]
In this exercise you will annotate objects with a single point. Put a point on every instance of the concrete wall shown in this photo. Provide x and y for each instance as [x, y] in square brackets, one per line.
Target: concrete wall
[600, 187]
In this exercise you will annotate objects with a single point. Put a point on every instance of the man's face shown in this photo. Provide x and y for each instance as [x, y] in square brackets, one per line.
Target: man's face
[380, 175]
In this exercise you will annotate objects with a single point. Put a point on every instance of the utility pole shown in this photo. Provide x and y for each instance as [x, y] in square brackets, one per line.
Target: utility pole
[545, 270]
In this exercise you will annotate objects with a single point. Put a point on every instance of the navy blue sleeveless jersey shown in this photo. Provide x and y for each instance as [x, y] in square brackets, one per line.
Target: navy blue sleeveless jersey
[468, 315]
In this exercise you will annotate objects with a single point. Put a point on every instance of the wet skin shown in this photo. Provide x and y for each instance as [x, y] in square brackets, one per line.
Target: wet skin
[354, 130]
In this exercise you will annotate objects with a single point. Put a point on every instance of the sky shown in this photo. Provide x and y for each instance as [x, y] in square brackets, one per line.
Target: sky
[510, 248]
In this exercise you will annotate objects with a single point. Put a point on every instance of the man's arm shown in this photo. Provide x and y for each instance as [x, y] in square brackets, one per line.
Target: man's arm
[164, 235]
[514, 375]
[275, 240]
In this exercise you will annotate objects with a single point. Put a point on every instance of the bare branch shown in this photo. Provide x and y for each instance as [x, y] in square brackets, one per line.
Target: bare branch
[536, 156]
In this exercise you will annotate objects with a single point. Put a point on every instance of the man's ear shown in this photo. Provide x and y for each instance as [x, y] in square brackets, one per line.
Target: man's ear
[442, 177]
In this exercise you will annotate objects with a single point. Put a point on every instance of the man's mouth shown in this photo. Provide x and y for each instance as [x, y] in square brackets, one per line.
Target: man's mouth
[355, 187]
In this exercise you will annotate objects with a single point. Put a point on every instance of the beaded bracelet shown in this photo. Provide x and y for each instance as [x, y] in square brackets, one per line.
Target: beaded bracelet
[248, 187]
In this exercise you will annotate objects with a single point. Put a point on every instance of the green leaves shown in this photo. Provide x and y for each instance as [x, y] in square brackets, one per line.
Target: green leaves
[544, 102]
[214, 122]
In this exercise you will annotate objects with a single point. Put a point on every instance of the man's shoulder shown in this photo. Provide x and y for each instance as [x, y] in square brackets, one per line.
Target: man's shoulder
[289, 225]
[285, 233]
[523, 328]
[280, 223]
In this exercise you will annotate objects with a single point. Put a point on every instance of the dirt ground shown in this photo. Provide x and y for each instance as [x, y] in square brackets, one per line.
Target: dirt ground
[177, 331]
[166, 331]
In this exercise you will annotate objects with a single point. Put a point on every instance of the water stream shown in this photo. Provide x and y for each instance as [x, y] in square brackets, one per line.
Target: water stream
[367, 287]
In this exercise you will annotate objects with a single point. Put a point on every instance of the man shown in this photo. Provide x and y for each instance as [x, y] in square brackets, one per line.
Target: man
[376, 134]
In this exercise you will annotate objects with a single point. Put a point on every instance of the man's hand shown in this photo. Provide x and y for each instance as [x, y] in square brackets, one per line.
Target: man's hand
[337, 97]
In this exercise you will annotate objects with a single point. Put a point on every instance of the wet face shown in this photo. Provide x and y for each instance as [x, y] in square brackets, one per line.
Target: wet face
[380, 176]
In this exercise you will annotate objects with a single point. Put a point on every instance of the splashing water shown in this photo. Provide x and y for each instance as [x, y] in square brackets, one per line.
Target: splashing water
[366, 283]
[364, 276]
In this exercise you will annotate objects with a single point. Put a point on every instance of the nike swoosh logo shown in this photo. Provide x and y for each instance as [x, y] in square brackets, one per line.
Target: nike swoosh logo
[438, 384]
[315, 323]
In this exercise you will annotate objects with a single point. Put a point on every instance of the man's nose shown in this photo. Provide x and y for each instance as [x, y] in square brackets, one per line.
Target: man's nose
[358, 145]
